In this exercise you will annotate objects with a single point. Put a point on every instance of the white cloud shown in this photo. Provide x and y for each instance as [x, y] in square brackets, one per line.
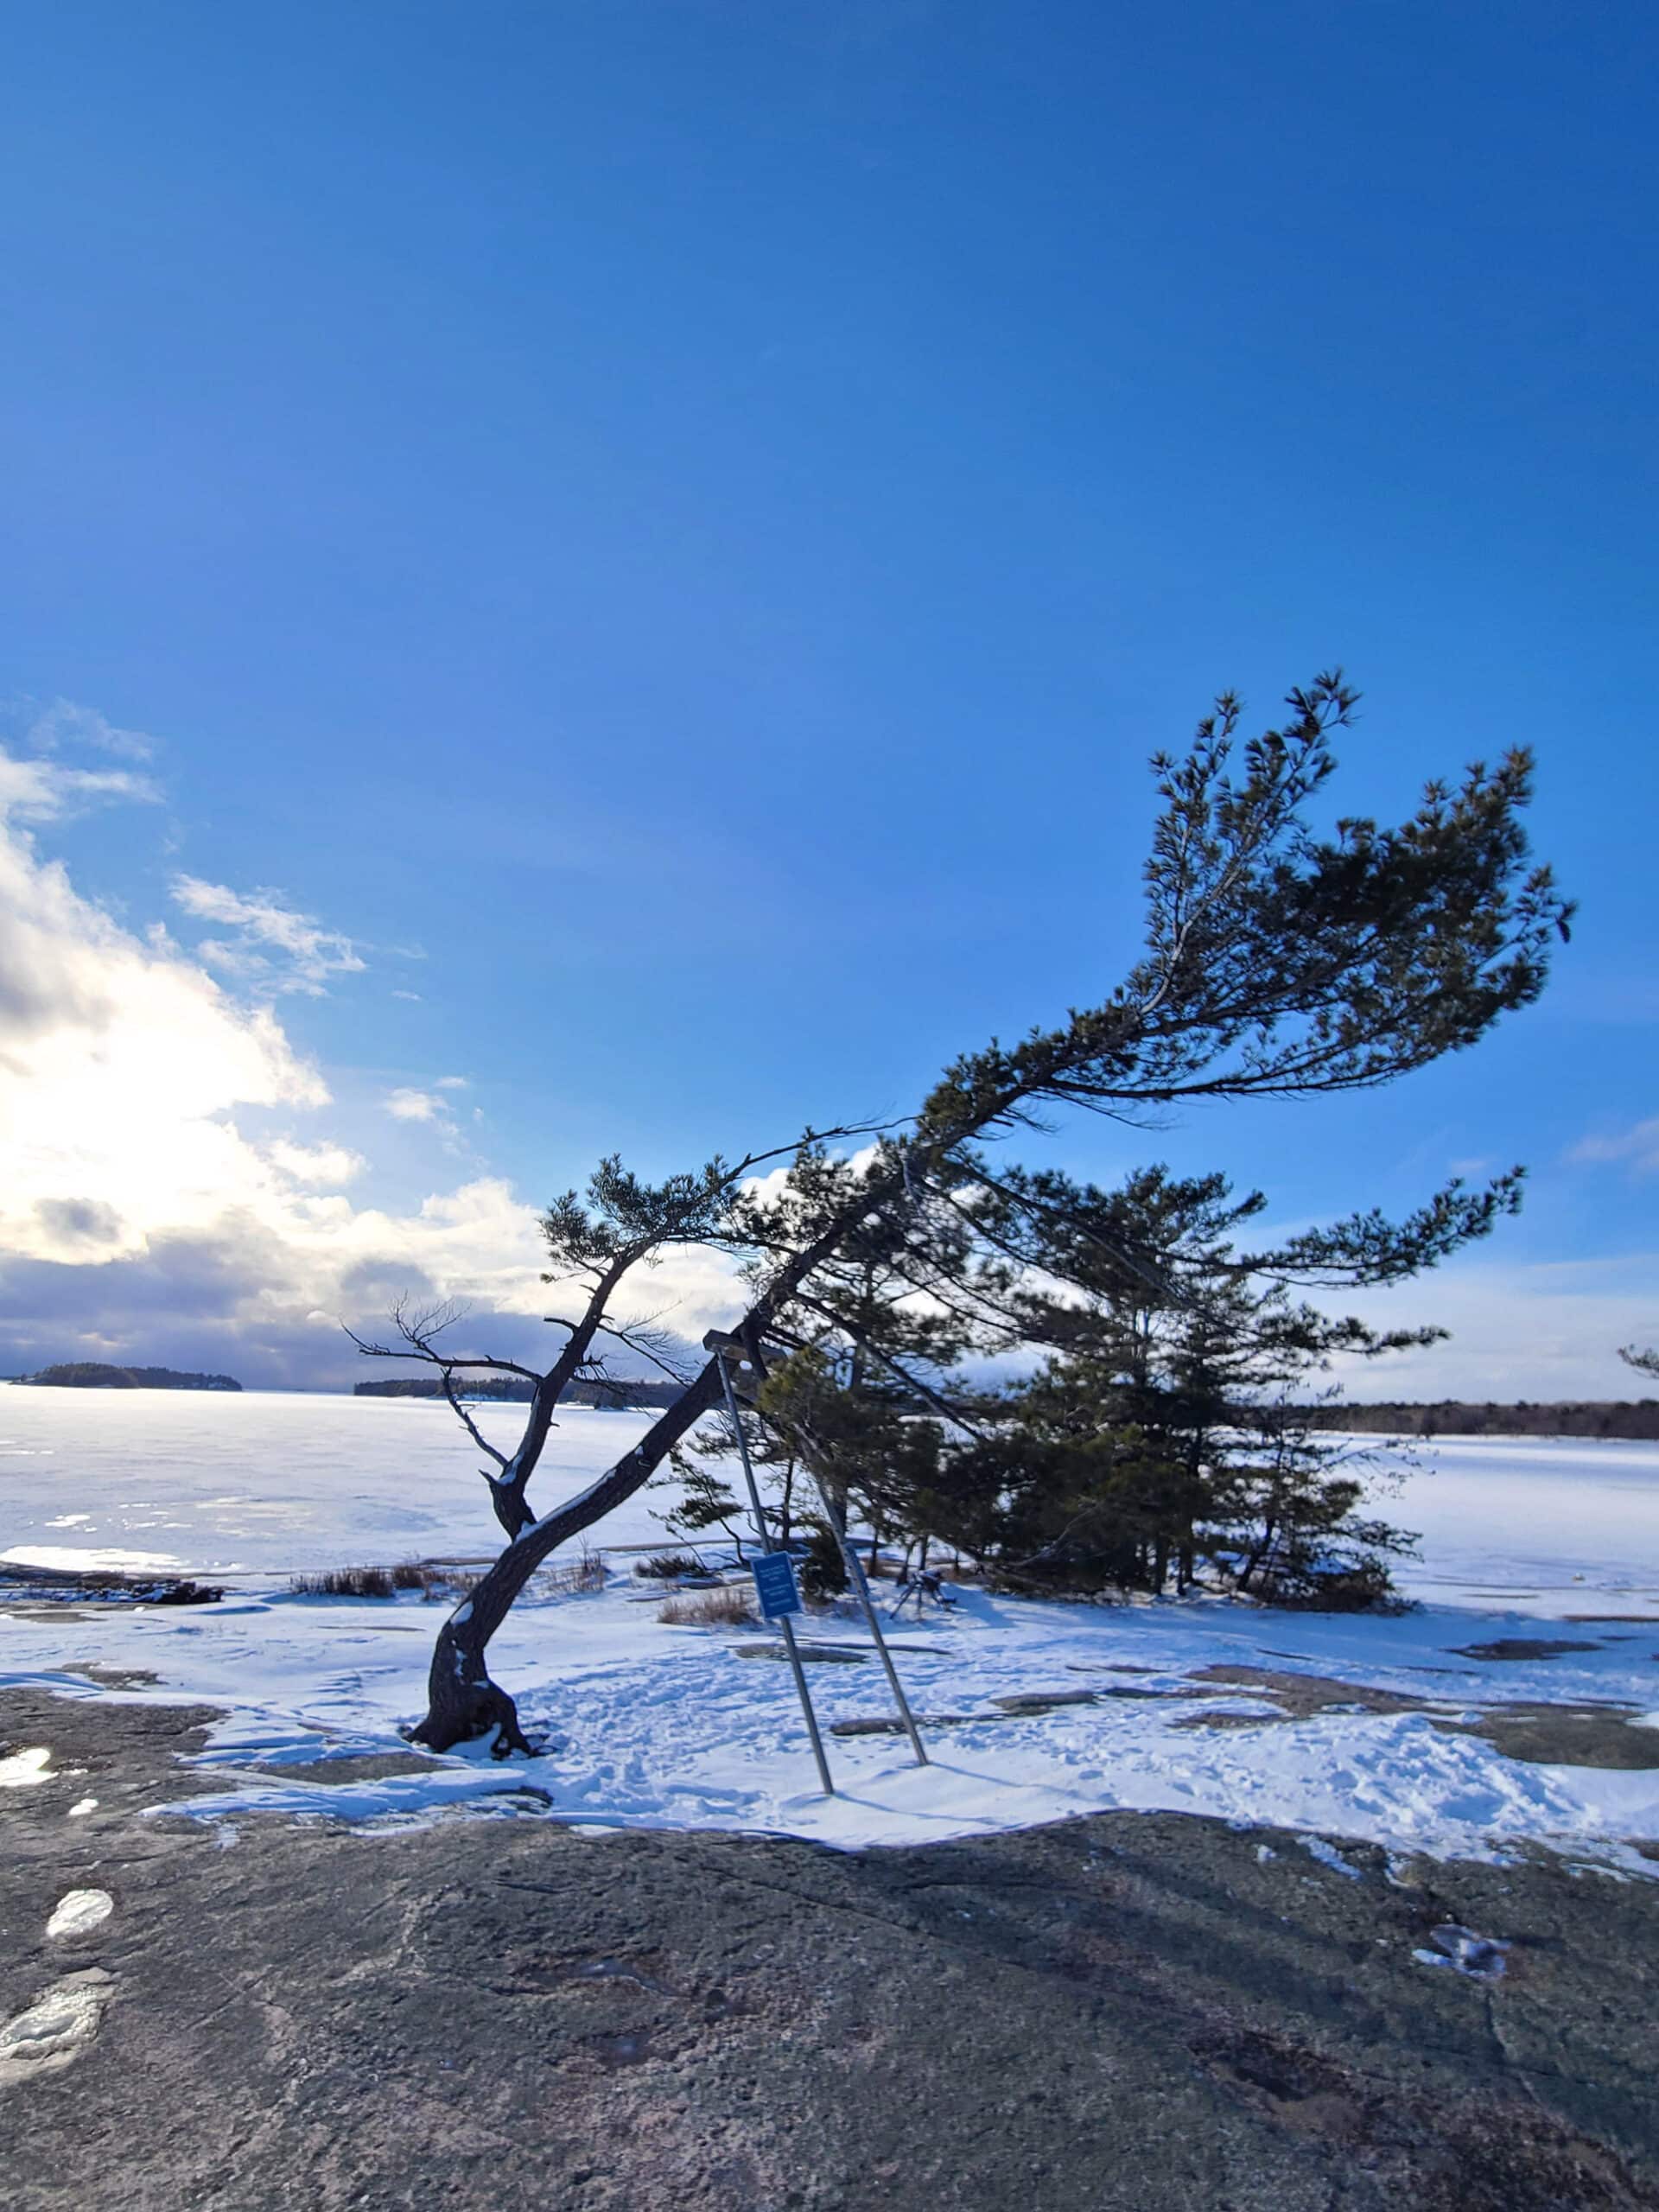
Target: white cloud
[45, 791]
[319, 1167]
[121, 1063]
[454, 1083]
[276, 949]
[415, 1106]
[1638, 1147]
[414, 996]
[64, 722]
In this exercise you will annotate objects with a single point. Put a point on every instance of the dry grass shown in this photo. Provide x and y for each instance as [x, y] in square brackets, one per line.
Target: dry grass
[667, 1567]
[729, 1608]
[365, 1581]
[586, 1574]
[344, 1582]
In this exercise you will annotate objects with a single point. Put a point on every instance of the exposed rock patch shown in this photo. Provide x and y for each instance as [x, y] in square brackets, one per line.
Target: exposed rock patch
[1523, 1647]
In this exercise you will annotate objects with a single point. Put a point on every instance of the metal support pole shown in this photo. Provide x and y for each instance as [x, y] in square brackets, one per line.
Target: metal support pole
[786, 1621]
[837, 1520]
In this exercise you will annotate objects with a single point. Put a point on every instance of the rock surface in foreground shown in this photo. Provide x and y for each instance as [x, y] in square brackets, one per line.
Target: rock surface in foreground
[1121, 2014]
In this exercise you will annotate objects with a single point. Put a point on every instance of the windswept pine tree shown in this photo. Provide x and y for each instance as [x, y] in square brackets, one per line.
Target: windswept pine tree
[1281, 960]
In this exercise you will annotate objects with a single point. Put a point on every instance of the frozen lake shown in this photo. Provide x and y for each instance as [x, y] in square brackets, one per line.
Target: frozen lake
[266, 1484]
[271, 1482]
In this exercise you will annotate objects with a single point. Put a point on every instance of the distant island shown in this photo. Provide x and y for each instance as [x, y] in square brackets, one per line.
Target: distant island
[98, 1375]
[512, 1389]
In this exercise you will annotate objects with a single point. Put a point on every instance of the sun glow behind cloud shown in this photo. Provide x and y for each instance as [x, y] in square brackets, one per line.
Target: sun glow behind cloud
[172, 1191]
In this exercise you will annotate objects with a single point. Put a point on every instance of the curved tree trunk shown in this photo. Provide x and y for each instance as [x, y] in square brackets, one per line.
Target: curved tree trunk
[462, 1701]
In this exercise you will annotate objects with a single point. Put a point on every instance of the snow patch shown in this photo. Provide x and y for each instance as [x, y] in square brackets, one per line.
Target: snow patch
[78, 1911]
[69, 1559]
[55, 2029]
[21, 1768]
[1317, 1848]
[1482, 1958]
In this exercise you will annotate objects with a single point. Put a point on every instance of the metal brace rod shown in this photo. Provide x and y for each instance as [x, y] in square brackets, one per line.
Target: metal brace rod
[837, 1519]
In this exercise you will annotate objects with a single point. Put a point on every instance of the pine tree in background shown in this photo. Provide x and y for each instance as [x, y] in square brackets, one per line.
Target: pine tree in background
[706, 1499]
[1162, 1432]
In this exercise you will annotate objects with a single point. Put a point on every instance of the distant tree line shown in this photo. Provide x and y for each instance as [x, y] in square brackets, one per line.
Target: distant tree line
[1636, 1419]
[98, 1375]
[518, 1390]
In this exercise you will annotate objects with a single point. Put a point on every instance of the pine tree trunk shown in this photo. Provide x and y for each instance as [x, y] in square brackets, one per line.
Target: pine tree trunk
[462, 1703]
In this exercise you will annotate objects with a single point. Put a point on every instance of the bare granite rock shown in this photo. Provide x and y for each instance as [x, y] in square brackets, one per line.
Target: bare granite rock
[1128, 2013]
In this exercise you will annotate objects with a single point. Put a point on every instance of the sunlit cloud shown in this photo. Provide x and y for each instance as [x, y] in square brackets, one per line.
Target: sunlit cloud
[415, 1106]
[276, 948]
[62, 722]
[1637, 1147]
[163, 1195]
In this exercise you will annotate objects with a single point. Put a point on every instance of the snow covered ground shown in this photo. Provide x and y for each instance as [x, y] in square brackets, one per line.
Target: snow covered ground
[655, 1726]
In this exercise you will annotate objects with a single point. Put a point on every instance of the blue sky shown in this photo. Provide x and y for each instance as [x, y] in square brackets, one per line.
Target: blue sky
[670, 529]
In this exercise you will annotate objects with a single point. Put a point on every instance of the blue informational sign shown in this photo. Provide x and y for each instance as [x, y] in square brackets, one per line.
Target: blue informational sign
[775, 1584]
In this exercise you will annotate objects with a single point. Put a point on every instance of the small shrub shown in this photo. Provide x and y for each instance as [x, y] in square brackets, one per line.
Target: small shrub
[667, 1567]
[410, 1575]
[1361, 1586]
[185, 1593]
[822, 1568]
[585, 1574]
[708, 1609]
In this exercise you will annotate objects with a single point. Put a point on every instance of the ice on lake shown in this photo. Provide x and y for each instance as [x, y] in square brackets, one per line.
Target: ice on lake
[271, 1482]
